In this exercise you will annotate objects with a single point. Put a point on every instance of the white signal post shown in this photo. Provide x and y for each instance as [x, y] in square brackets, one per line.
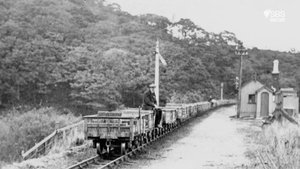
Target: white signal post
[156, 82]
[222, 85]
[157, 58]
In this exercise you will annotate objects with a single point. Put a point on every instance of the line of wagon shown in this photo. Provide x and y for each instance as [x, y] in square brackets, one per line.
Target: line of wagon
[119, 131]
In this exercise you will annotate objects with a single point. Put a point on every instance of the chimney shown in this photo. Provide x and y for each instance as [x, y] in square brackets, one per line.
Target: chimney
[275, 67]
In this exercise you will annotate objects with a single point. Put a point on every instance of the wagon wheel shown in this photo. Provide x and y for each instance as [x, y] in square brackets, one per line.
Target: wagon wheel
[149, 136]
[136, 142]
[152, 135]
[145, 138]
[133, 144]
[141, 140]
[123, 148]
[99, 149]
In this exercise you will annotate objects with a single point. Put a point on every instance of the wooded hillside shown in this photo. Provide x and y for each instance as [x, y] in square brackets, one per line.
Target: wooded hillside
[92, 55]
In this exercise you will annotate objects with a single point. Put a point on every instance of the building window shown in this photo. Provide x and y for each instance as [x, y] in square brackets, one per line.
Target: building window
[251, 99]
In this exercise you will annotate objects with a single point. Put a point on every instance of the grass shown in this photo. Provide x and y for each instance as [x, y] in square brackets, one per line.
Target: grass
[21, 130]
[282, 142]
[279, 141]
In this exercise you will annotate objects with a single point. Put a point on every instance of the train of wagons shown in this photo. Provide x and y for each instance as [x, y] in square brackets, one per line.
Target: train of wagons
[122, 130]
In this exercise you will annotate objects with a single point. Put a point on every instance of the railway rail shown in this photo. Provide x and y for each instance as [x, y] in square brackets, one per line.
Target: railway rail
[157, 133]
[97, 162]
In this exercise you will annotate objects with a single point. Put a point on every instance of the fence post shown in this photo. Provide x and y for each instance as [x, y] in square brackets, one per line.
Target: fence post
[47, 143]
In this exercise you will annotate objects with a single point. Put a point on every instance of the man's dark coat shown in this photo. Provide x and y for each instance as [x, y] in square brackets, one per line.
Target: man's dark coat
[149, 100]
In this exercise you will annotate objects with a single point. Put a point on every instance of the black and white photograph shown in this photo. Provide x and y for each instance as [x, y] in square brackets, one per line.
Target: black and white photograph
[149, 84]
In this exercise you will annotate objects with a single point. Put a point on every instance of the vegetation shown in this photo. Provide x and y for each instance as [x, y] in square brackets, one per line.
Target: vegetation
[84, 54]
[282, 143]
[89, 55]
[20, 131]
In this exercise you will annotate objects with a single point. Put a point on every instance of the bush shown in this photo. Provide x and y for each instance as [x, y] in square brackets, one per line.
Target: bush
[188, 97]
[282, 142]
[20, 131]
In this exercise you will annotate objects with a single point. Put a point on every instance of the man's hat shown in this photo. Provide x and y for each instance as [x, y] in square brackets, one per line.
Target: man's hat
[152, 85]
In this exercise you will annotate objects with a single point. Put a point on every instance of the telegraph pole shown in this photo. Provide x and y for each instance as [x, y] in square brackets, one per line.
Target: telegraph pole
[240, 86]
[222, 85]
[240, 51]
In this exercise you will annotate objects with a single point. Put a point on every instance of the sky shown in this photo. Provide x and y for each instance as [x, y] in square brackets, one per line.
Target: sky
[266, 24]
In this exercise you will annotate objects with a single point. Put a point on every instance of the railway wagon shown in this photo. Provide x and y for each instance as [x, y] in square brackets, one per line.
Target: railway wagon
[169, 117]
[203, 106]
[200, 108]
[121, 130]
[118, 130]
[193, 109]
[181, 110]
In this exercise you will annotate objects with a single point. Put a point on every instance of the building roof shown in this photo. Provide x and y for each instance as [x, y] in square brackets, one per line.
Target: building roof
[264, 87]
[287, 90]
[245, 84]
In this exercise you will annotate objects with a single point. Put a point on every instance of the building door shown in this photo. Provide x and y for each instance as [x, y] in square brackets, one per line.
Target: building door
[264, 104]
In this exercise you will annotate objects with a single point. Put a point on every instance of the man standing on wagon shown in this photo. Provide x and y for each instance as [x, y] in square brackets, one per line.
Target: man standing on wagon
[149, 103]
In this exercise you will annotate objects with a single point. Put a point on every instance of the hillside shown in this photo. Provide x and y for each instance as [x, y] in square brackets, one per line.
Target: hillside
[88, 55]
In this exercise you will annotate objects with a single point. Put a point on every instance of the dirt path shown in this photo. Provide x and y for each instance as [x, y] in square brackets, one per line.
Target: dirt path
[213, 141]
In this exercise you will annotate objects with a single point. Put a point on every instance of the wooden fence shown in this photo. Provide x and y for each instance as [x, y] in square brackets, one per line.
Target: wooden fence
[44, 146]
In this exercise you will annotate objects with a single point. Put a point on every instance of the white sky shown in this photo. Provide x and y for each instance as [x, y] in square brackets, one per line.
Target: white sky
[245, 18]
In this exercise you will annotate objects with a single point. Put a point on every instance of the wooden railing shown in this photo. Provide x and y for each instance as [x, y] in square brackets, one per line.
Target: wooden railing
[44, 146]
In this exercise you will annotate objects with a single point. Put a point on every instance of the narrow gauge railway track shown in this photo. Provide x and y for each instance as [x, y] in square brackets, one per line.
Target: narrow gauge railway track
[97, 162]
[141, 139]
